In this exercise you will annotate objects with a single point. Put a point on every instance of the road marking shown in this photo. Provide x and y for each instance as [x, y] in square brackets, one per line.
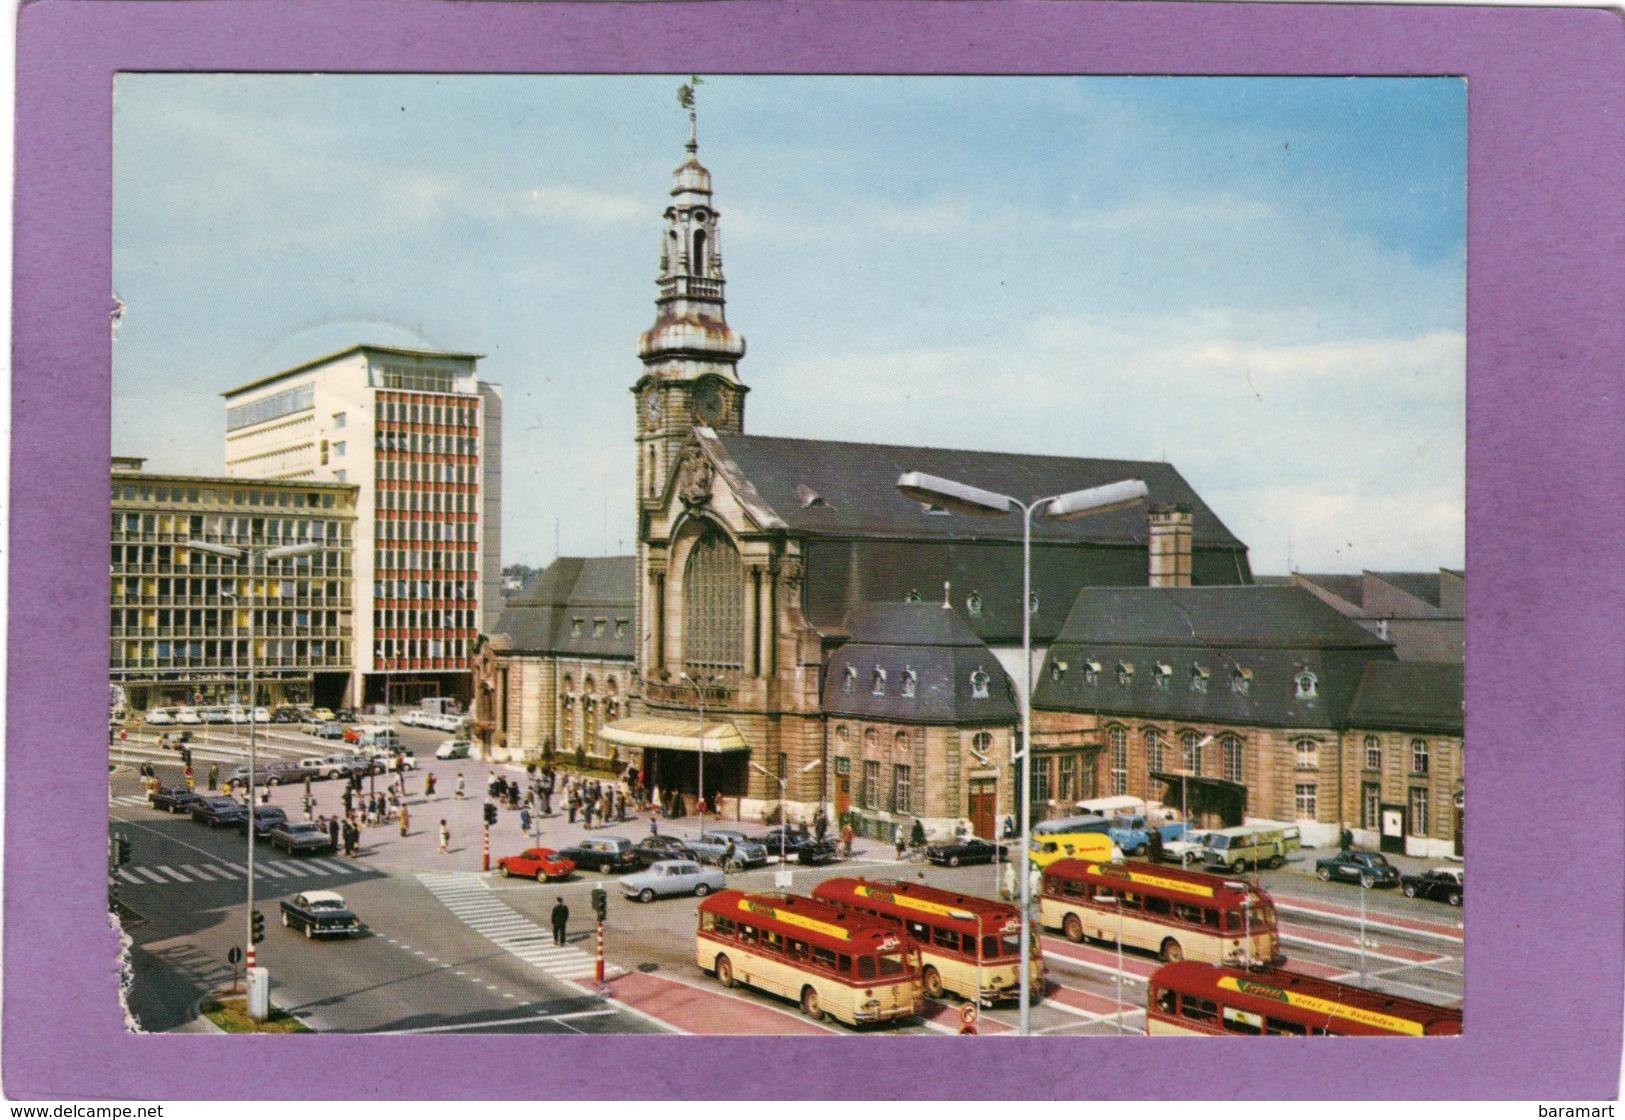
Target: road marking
[154, 876]
[336, 868]
[543, 1018]
[504, 926]
[198, 871]
[128, 878]
[173, 874]
[266, 869]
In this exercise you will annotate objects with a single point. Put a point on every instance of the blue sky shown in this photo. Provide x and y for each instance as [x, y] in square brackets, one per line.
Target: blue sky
[1261, 281]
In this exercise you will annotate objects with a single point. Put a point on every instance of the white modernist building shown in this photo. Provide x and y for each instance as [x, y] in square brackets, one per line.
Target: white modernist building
[420, 436]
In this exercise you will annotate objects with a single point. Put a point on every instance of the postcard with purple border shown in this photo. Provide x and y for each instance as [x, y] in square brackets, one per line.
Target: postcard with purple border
[1051, 630]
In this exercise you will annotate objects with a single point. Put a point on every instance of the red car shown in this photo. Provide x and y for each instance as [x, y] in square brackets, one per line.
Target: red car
[536, 863]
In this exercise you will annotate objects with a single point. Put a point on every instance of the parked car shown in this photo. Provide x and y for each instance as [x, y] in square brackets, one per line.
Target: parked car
[1188, 849]
[320, 914]
[453, 748]
[330, 729]
[215, 811]
[673, 877]
[173, 799]
[267, 774]
[746, 850]
[160, 716]
[187, 715]
[324, 714]
[343, 715]
[652, 849]
[601, 853]
[1235, 849]
[213, 715]
[536, 863]
[803, 847]
[300, 837]
[966, 849]
[284, 715]
[266, 817]
[1366, 868]
[1442, 883]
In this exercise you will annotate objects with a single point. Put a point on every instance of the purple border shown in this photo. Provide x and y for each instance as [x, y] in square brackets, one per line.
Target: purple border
[1547, 139]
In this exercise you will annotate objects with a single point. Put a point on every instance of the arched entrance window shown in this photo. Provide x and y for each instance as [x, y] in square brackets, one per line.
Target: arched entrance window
[713, 605]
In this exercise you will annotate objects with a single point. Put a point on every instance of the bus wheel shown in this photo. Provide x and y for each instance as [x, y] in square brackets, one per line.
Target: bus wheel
[810, 1005]
[725, 972]
[1073, 928]
[932, 979]
[1172, 951]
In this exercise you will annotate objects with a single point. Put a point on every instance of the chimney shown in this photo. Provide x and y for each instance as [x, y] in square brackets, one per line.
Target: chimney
[1170, 545]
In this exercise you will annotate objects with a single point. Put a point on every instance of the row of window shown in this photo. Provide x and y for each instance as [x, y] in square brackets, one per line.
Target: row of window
[228, 653]
[451, 557]
[208, 592]
[214, 526]
[423, 620]
[428, 531]
[1420, 754]
[909, 682]
[422, 379]
[1306, 683]
[430, 589]
[825, 960]
[215, 620]
[425, 443]
[417, 649]
[600, 627]
[273, 407]
[874, 792]
[432, 501]
[446, 474]
[146, 493]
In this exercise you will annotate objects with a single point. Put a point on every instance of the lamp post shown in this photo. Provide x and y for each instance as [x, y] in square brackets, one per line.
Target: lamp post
[782, 878]
[699, 699]
[957, 497]
[249, 553]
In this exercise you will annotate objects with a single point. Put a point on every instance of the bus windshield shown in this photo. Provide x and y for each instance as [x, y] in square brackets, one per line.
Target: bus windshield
[1000, 948]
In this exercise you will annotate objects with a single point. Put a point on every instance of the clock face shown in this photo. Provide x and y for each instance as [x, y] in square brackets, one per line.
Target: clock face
[708, 404]
[652, 408]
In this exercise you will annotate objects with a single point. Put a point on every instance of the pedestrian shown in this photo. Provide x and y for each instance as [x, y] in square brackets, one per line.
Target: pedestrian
[654, 825]
[310, 806]
[902, 845]
[586, 813]
[214, 775]
[445, 837]
[820, 823]
[1010, 880]
[620, 805]
[561, 921]
[352, 839]
[573, 805]
[916, 836]
[458, 793]
[428, 785]
[846, 840]
[349, 800]
[547, 802]
[654, 799]
[513, 795]
[333, 831]
[524, 819]
[404, 818]
[1154, 847]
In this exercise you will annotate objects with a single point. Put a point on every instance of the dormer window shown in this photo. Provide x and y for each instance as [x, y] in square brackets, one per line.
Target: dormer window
[577, 626]
[1306, 685]
[1057, 670]
[1091, 672]
[1125, 673]
[913, 595]
[1241, 680]
[809, 497]
[911, 682]
[979, 681]
[1032, 603]
[599, 626]
[1160, 674]
[877, 682]
[849, 680]
[973, 605]
[1198, 679]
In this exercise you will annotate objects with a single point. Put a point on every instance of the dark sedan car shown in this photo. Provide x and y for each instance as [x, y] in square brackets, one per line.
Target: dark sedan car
[215, 811]
[266, 818]
[301, 837]
[652, 849]
[173, 799]
[1366, 868]
[601, 853]
[1442, 883]
[797, 845]
[967, 849]
[320, 914]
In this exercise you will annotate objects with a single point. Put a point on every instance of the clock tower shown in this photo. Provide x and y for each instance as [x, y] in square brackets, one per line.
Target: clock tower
[690, 355]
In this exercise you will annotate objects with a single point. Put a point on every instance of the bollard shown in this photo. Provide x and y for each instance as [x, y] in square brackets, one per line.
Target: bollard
[486, 865]
[600, 965]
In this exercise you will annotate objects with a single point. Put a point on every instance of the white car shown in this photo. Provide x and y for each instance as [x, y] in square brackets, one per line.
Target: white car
[187, 715]
[1189, 850]
[453, 748]
[160, 715]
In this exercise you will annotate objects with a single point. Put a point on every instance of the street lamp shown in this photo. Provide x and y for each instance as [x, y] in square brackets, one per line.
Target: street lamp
[957, 497]
[699, 698]
[239, 554]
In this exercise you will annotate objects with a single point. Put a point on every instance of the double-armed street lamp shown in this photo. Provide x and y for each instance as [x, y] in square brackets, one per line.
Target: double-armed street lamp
[250, 554]
[958, 497]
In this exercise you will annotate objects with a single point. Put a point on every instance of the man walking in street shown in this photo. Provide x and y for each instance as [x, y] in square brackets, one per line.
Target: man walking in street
[214, 775]
[403, 821]
[445, 838]
[458, 793]
[561, 921]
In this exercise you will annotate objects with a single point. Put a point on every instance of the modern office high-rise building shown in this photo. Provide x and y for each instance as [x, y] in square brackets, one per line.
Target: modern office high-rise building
[420, 436]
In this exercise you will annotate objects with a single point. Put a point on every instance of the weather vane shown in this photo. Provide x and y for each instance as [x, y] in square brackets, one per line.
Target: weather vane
[685, 98]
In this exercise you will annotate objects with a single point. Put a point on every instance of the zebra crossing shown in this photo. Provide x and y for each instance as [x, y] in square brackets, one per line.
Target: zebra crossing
[164, 875]
[470, 901]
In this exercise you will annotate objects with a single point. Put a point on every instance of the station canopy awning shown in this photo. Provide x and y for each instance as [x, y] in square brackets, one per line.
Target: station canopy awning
[672, 734]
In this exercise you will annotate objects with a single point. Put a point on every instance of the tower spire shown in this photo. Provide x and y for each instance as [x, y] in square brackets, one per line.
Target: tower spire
[685, 98]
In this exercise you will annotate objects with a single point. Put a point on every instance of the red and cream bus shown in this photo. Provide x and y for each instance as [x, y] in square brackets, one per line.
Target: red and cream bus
[1191, 998]
[968, 945]
[1175, 913]
[834, 962]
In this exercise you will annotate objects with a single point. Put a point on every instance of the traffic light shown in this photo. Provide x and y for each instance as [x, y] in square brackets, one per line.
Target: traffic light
[490, 812]
[256, 928]
[600, 903]
[121, 851]
[186, 756]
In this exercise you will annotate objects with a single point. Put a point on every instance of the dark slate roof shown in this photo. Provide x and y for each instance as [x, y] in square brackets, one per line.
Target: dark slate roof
[1420, 585]
[1410, 696]
[857, 485]
[1208, 636]
[937, 647]
[540, 617]
[1350, 589]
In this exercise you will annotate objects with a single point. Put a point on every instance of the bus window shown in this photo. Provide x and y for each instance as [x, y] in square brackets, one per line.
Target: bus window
[772, 942]
[1210, 918]
[823, 958]
[798, 950]
[996, 947]
[891, 964]
[1160, 907]
[747, 934]
[945, 939]
[919, 932]
[1281, 1026]
[846, 965]
[1165, 1001]
[1242, 1022]
[1198, 1009]
[1131, 901]
[866, 968]
[1191, 914]
[725, 926]
[1232, 921]
[708, 920]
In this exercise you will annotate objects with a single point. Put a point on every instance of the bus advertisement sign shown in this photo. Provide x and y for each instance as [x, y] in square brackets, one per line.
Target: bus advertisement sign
[1147, 879]
[1318, 1006]
[751, 906]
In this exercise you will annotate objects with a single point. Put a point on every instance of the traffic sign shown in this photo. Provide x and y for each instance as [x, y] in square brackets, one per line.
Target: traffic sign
[234, 954]
[967, 1014]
